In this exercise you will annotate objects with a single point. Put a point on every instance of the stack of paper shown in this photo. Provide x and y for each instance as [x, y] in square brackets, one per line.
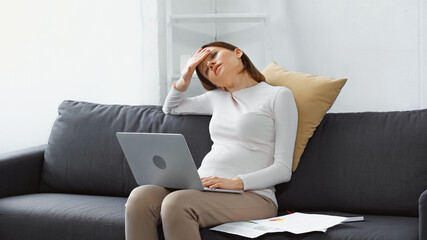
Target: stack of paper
[296, 223]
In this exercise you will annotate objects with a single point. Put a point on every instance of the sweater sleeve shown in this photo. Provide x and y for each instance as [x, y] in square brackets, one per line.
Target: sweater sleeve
[176, 103]
[286, 121]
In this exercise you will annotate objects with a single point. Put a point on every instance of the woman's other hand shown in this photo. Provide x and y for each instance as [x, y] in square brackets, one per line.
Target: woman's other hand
[183, 83]
[224, 183]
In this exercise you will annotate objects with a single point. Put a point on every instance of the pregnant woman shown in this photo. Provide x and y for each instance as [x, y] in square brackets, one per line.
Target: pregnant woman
[253, 129]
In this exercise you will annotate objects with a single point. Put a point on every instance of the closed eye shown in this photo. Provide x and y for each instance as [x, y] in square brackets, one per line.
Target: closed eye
[212, 55]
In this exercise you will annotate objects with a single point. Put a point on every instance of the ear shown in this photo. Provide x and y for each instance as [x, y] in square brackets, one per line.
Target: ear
[238, 52]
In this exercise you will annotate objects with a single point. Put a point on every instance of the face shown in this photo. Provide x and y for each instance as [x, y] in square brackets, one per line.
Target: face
[221, 66]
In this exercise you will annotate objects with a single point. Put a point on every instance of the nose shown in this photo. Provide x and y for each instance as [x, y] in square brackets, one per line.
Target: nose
[211, 64]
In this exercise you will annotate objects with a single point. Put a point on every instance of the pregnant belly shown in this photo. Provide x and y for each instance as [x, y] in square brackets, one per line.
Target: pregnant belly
[232, 160]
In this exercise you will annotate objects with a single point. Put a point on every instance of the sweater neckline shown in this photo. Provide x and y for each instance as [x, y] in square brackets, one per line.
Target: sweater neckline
[248, 89]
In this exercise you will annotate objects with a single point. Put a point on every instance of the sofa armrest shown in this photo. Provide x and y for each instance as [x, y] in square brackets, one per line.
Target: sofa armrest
[20, 171]
[422, 208]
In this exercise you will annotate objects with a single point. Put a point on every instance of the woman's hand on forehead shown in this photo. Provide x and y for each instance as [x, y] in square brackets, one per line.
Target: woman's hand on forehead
[196, 59]
[183, 83]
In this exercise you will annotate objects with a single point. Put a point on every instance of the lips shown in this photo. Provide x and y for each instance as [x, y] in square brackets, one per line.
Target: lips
[216, 68]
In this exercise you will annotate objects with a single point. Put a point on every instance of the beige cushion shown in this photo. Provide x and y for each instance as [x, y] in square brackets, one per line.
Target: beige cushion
[314, 96]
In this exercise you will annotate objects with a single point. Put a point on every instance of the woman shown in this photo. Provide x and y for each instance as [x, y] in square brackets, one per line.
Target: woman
[253, 129]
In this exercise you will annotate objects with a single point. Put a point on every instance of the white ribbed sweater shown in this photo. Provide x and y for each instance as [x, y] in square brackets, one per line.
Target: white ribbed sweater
[253, 132]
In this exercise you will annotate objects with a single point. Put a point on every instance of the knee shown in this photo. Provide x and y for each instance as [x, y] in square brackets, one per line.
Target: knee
[178, 205]
[145, 197]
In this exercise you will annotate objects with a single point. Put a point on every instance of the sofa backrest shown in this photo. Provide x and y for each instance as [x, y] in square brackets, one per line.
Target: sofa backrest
[372, 162]
[83, 155]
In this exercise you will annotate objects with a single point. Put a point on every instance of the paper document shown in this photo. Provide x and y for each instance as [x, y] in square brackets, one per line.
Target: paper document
[296, 223]
[245, 229]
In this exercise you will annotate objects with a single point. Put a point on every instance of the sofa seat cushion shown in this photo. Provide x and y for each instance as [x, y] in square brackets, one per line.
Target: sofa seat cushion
[374, 227]
[62, 216]
[96, 217]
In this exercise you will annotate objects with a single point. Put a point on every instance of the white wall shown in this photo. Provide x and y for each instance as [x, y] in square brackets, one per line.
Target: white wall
[380, 46]
[375, 44]
[56, 50]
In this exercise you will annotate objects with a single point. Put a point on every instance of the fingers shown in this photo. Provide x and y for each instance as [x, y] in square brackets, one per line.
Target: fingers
[206, 180]
[192, 64]
[201, 51]
[200, 55]
[212, 182]
[216, 185]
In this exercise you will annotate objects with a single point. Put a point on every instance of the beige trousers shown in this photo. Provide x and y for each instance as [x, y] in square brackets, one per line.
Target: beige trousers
[182, 212]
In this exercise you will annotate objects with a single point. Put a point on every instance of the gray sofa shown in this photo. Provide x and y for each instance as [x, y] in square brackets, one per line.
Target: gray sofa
[372, 164]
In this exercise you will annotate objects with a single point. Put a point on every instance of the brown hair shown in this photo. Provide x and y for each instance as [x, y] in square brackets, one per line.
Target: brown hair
[248, 66]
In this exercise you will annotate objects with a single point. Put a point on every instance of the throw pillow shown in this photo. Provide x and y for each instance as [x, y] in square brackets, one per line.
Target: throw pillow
[314, 96]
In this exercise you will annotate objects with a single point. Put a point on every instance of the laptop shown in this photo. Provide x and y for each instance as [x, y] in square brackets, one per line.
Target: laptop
[162, 159]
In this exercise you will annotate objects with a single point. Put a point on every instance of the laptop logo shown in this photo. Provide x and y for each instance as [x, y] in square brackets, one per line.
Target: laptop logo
[159, 162]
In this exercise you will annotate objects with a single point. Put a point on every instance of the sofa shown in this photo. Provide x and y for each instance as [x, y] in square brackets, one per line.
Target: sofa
[371, 164]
